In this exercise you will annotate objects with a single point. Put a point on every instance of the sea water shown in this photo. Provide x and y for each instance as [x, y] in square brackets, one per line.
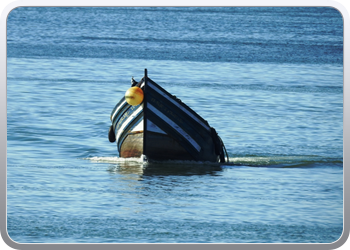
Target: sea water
[269, 80]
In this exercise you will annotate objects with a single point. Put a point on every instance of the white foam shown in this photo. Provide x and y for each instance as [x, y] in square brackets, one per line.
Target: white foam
[251, 161]
[98, 159]
[143, 160]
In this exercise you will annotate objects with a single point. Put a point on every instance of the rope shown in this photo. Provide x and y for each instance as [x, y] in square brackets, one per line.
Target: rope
[223, 145]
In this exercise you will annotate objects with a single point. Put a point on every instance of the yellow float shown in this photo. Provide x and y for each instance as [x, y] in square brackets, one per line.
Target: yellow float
[134, 96]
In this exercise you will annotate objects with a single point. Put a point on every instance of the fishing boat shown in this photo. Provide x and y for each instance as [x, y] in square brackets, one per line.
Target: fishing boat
[150, 122]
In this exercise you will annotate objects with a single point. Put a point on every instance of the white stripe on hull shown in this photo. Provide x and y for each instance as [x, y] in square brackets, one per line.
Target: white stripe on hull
[138, 127]
[174, 126]
[149, 84]
[154, 128]
[117, 109]
[127, 121]
[151, 127]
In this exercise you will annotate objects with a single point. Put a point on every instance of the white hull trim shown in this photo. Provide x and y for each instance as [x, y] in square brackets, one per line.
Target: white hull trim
[127, 121]
[151, 127]
[174, 126]
[149, 84]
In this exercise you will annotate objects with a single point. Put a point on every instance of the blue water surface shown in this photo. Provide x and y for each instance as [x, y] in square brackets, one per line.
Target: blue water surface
[270, 80]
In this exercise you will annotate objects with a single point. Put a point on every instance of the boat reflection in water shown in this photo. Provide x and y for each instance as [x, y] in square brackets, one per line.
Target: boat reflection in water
[138, 170]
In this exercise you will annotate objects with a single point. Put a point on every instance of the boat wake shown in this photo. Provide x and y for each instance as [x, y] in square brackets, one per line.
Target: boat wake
[141, 167]
[285, 161]
[143, 161]
[249, 161]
